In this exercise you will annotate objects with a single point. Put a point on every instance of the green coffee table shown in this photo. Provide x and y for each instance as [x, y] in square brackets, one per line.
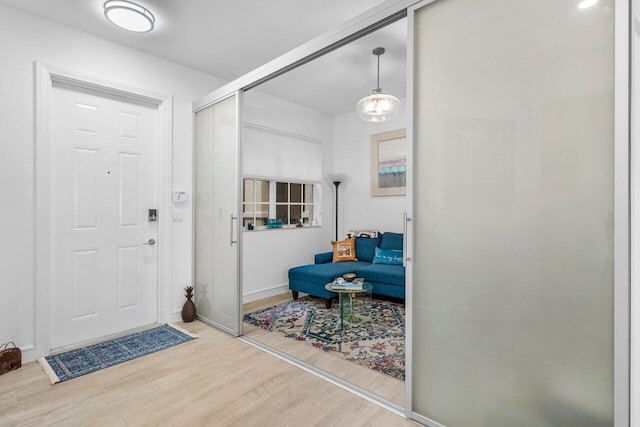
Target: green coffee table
[353, 310]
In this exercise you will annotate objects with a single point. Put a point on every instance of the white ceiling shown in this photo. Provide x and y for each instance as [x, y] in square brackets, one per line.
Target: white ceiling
[229, 38]
[335, 82]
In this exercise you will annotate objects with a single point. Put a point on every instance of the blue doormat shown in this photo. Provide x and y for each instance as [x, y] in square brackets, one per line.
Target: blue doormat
[74, 363]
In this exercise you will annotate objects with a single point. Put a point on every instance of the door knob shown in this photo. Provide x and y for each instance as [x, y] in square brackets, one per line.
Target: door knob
[151, 242]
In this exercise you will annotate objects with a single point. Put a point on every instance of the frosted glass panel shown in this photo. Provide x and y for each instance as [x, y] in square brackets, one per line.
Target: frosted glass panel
[216, 206]
[513, 213]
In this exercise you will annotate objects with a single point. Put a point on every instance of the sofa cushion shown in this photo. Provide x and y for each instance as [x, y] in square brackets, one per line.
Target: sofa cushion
[344, 250]
[388, 256]
[391, 241]
[322, 274]
[365, 248]
[393, 274]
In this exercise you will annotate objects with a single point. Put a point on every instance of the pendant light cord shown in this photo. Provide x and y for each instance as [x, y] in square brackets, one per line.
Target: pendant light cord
[377, 52]
[378, 82]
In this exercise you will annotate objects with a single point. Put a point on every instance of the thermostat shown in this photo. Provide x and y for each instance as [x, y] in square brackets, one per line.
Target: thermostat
[179, 196]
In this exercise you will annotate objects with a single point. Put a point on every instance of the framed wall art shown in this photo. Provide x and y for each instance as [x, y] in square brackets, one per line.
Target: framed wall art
[389, 163]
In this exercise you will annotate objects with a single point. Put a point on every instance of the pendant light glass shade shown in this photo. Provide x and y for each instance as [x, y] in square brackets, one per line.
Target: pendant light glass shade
[379, 106]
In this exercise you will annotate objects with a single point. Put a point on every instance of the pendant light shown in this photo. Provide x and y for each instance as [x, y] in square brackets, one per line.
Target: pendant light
[379, 106]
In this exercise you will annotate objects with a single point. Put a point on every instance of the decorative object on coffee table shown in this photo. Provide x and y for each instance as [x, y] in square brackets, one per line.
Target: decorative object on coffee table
[349, 277]
[189, 308]
[10, 357]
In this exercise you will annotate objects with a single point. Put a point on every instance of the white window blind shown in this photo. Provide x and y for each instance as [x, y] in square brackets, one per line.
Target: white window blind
[274, 153]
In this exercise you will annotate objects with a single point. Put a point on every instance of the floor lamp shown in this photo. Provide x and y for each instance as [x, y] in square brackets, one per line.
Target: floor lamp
[336, 179]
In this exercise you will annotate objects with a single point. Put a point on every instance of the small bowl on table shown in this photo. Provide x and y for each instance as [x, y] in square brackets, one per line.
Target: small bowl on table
[349, 277]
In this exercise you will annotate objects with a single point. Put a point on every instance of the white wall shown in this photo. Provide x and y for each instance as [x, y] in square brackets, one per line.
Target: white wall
[352, 155]
[25, 38]
[268, 254]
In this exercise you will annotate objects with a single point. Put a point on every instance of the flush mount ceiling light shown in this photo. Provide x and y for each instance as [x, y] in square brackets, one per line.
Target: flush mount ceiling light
[379, 106]
[129, 16]
[585, 4]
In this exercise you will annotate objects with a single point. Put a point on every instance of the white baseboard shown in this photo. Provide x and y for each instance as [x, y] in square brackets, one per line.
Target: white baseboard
[264, 293]
[28, 353]
[176, 316]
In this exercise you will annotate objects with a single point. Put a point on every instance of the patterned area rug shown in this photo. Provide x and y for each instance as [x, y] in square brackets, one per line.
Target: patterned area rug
[377, 345]
[74, 363]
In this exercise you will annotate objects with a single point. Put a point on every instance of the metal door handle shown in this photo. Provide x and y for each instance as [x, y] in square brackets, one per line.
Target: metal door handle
[231, 241]
[151, 242]
[405, 258]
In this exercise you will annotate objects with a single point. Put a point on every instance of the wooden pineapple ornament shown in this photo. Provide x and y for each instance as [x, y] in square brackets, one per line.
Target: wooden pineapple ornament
[189, 308]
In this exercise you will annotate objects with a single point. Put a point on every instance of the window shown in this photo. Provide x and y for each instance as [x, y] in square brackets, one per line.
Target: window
[255, 202]
[290, 202]
[294, 203]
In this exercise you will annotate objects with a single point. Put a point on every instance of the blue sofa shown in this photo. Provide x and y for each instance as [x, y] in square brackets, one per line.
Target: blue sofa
[386, 279]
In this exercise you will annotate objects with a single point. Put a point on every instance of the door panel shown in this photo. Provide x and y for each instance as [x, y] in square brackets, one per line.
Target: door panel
[103, 180]
[85, 283]
[129, 190]
[129, 283]
[216, 215]
[514, 213]
[86, 164]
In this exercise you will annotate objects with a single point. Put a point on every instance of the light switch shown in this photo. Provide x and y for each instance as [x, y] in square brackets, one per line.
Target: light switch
[179, 196]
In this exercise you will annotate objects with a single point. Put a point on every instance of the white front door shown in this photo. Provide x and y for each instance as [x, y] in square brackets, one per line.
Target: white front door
[103, 183]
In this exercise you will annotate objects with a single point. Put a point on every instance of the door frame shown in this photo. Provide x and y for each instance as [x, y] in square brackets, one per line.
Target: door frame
[45, 76]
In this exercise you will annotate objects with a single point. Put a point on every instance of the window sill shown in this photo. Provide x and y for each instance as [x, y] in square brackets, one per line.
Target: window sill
[293, 227]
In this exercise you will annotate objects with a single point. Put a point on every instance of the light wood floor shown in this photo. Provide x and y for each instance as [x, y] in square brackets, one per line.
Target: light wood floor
[214, 380]
[383, 385]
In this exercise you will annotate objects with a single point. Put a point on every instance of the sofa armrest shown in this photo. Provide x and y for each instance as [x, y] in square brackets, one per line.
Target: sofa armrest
[323, 258]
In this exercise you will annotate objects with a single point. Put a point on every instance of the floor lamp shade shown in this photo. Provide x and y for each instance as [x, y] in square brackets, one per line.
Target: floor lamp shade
[336, 177]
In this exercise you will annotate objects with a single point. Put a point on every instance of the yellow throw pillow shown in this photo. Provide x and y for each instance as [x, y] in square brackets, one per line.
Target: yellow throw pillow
[344, 250]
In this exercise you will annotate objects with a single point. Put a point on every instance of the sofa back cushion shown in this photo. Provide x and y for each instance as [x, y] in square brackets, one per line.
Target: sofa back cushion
[365, 248]
[392, 241]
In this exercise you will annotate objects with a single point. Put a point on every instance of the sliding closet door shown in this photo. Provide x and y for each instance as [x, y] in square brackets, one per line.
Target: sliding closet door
[216, 252]
[513, 272]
